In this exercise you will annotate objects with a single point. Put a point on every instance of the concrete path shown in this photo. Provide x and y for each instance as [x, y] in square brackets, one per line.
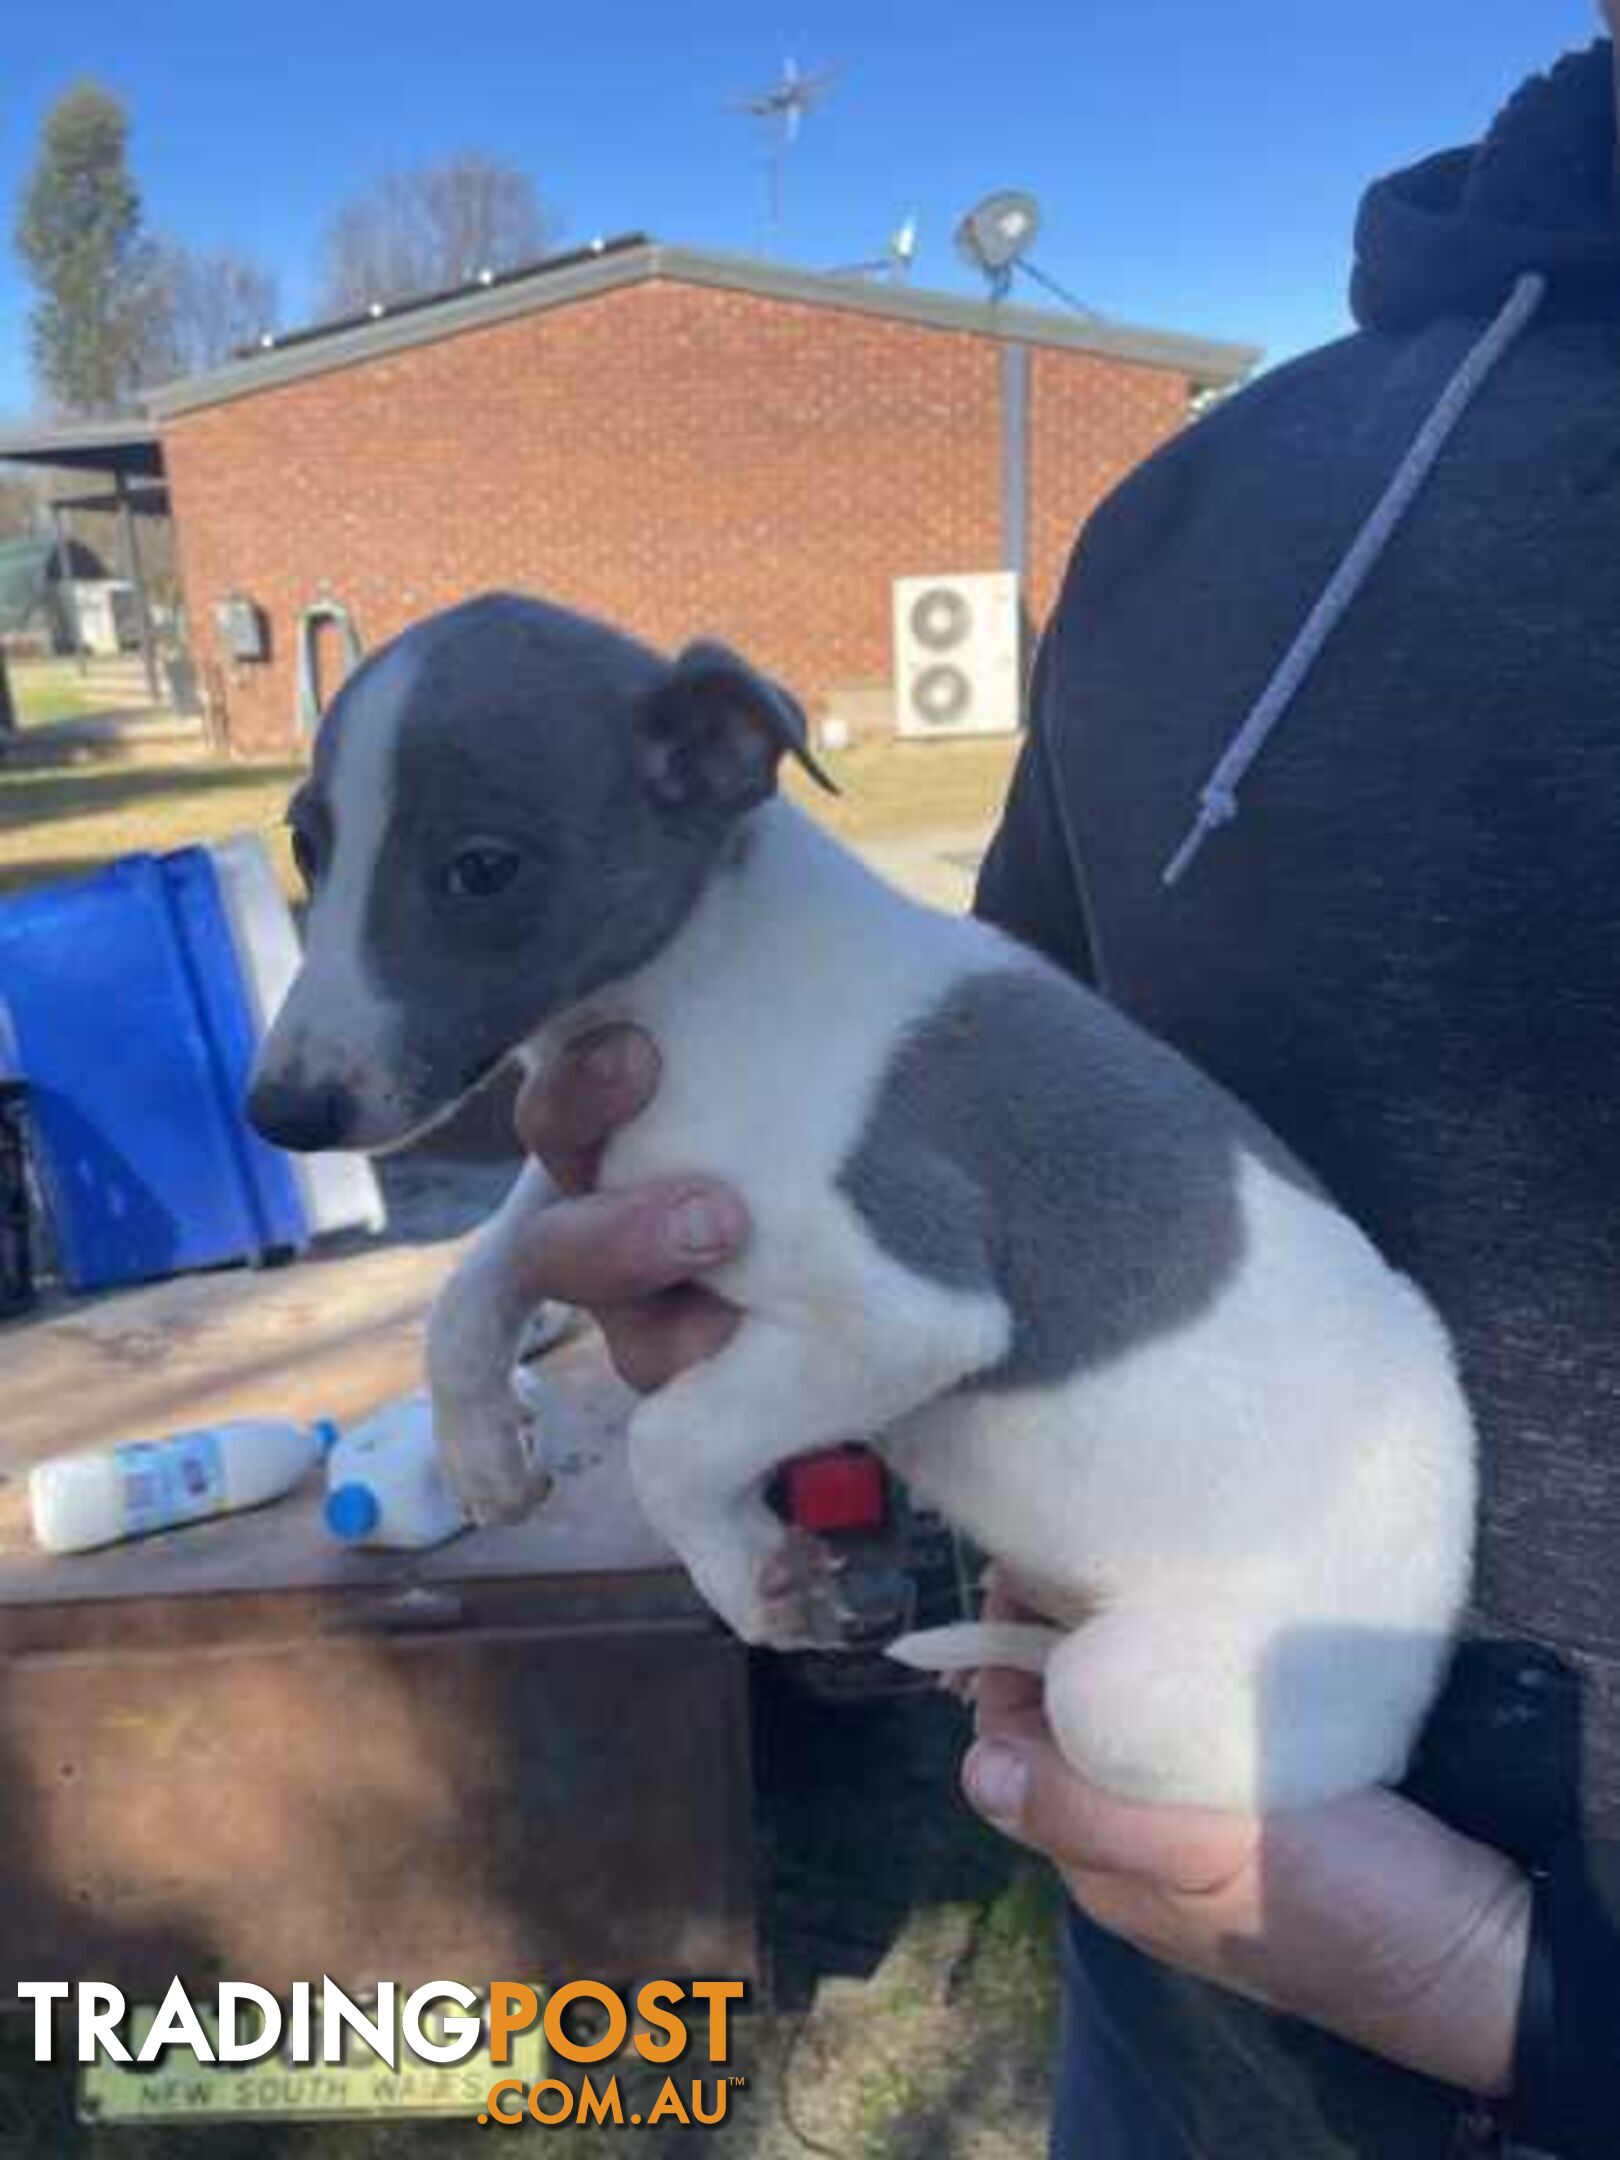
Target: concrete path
[939, 866]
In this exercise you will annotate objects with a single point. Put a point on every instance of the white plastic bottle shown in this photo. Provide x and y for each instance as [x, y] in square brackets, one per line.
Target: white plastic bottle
[81, 1501]
[386, 1484]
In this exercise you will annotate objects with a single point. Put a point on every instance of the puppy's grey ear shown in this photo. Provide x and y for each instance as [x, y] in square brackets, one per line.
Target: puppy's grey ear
[712, 733]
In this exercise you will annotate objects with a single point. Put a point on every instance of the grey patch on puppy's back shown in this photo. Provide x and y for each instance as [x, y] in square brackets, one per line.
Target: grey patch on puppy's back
[1028, 1139]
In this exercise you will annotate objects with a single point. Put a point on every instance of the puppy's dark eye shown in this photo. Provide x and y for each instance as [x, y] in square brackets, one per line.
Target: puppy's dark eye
[480, 870]
[304, 856]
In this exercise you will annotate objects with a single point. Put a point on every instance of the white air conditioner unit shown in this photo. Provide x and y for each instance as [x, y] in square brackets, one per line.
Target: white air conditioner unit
[956, 666]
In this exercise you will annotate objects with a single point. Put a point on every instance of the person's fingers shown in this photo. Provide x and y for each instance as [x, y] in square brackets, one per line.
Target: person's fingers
[653, 1340]
[610, 1249]
[1001, 1692]
[566, 1111]
[1004, 1695]
[1022, 1785]
[1007, 1704]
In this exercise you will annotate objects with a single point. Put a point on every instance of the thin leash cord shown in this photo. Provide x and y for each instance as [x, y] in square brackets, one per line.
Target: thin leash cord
[1217, 803]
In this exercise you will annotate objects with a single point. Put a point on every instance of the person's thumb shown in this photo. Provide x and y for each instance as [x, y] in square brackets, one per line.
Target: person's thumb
[1025, 1788]
[1013, 1784]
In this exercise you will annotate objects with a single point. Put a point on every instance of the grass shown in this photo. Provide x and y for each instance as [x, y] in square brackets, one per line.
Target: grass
[893, 789]
[47, 690]
[947, 2049]
[63, 822]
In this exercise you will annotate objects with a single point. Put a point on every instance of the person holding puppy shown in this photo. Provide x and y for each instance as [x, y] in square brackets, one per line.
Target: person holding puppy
[1390, 716]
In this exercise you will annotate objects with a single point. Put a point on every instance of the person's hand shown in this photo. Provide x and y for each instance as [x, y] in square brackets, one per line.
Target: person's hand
[627, 1257]
[1364, 1915]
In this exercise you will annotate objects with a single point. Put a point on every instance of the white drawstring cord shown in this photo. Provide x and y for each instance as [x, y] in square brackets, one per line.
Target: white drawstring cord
[1217, 804]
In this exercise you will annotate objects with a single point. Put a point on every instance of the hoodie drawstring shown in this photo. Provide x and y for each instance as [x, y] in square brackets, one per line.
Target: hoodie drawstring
[1217, 803]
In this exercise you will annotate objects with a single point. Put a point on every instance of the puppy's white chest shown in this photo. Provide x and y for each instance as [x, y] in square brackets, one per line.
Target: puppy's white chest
[777, 1016]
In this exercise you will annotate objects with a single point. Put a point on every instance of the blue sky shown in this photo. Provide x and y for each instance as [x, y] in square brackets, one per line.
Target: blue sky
[1198, 166]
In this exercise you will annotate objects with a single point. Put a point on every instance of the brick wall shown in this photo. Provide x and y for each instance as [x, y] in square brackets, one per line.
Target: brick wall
[1090, 421]
[677, 458]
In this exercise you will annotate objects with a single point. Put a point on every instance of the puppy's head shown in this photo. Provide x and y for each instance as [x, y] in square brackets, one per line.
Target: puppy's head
[509, 807]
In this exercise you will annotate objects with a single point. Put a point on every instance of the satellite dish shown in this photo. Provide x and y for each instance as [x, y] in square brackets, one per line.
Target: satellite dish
[997, 234]
[995, 238]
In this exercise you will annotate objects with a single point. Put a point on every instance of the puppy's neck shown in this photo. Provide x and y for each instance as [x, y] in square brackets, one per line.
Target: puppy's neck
[779, 884]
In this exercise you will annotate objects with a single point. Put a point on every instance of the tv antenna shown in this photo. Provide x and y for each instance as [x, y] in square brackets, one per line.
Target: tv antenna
[783, 108]
[995, 239]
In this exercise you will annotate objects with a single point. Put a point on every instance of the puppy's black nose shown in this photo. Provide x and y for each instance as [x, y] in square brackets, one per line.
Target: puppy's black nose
[295, 1114]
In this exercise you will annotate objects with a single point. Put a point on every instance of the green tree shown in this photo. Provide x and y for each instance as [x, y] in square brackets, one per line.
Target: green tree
[79, 232]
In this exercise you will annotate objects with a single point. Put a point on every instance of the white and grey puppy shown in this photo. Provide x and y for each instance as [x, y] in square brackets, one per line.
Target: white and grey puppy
[1096, 1313]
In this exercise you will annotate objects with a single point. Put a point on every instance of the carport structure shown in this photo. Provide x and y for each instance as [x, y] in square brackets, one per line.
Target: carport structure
[126, 458]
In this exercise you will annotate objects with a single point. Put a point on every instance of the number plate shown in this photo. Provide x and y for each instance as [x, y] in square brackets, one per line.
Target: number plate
[179, 2089]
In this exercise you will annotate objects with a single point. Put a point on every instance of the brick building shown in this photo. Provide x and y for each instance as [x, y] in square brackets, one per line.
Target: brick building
[681, 442]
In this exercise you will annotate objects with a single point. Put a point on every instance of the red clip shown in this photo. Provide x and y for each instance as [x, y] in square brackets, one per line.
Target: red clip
[843, 1490]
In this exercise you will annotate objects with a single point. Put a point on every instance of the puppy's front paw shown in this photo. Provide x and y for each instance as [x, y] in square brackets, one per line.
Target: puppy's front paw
[487, 1450]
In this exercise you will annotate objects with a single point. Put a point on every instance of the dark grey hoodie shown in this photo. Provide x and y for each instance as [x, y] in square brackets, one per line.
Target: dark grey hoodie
[1405, 954]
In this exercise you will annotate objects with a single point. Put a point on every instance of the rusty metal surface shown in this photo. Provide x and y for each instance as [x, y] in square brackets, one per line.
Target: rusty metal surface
[471, 1799]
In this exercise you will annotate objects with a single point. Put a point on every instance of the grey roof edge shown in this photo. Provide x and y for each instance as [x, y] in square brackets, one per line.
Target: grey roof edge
[1213, 363]
[473, 310]
[1210, 364]
[22, 438]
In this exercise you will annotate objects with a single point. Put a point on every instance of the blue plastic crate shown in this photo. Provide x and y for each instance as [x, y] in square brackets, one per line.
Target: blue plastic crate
[135, 1034]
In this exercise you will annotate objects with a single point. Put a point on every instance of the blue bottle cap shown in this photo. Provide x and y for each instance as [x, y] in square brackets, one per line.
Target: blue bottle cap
[351, 1511]
[326, 1435]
